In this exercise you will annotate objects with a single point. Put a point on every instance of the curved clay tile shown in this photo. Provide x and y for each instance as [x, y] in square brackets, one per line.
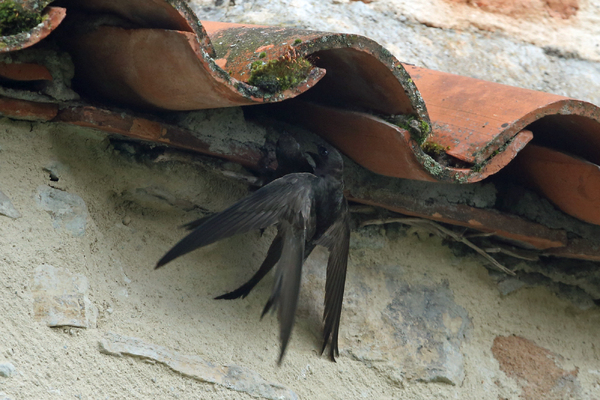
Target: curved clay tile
[360, 73]
[371, 141]
[52, 17]
[181, 69]
[162, 57]
[121, 64]
[156, 14]
[27, 110]
[476, 121]
[571, 183]
[384, 147]
[481, 125]
[24, 72]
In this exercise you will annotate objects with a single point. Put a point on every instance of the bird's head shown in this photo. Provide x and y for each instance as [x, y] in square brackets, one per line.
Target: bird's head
[328, 161]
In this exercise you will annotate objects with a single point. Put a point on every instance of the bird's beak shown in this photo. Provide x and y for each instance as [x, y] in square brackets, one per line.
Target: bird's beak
[314, 157]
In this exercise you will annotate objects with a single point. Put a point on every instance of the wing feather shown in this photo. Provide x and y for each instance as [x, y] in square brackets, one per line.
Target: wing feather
[287, 281]
[337, 240]
[273, 256]
[267, 206]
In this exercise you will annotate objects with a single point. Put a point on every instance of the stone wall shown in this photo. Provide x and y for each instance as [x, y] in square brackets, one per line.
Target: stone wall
[85, 218]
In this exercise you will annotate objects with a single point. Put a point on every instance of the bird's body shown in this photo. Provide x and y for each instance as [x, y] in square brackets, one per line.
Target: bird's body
[308, 209]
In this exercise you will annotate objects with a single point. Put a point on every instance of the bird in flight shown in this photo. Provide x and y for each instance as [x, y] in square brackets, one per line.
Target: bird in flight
[308, 208]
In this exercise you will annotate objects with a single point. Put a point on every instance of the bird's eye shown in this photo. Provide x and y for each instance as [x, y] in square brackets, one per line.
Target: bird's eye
[323, 151]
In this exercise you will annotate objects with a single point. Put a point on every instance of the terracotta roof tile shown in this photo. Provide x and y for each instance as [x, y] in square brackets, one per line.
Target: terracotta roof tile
[378, 111]
[24, 72]
[53, 16]
[573, 184]
[27, 110]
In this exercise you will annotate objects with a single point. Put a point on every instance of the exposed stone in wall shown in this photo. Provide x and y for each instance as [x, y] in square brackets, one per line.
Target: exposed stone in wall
[68, 210]
[535, 369]
[7, 208]
[7, 370]
[60, 298]
[230, 376]
[406, 329]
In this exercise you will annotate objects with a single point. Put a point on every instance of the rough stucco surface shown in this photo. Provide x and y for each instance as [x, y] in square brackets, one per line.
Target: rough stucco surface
[419, 321]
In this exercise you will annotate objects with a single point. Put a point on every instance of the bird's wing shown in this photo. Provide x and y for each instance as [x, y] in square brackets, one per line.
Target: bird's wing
[286, 288]
[337, 240]
[263, 208]
[190, 226]
[273, 256]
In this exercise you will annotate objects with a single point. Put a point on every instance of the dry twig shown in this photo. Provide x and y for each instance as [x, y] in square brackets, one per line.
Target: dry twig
[443, 232]
[522, 254]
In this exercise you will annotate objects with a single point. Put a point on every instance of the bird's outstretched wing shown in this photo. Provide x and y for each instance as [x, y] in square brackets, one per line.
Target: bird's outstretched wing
[267, 206]
[286, 289]
[273, 256]
[337, 240]
[190, 226]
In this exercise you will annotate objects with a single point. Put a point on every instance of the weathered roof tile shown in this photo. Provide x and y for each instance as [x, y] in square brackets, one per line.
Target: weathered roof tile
[156, 55]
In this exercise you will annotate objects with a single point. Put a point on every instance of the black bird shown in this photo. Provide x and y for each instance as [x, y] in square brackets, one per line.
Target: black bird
[309, 209]
[290, 159]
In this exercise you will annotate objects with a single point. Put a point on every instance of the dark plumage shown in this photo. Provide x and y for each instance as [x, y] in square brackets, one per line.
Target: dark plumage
[309, 209]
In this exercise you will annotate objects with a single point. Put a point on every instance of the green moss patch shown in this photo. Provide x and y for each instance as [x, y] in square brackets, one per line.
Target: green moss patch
[418, 129]
[15, 19]
[278, 75]
[425, 128]
[433, 149]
